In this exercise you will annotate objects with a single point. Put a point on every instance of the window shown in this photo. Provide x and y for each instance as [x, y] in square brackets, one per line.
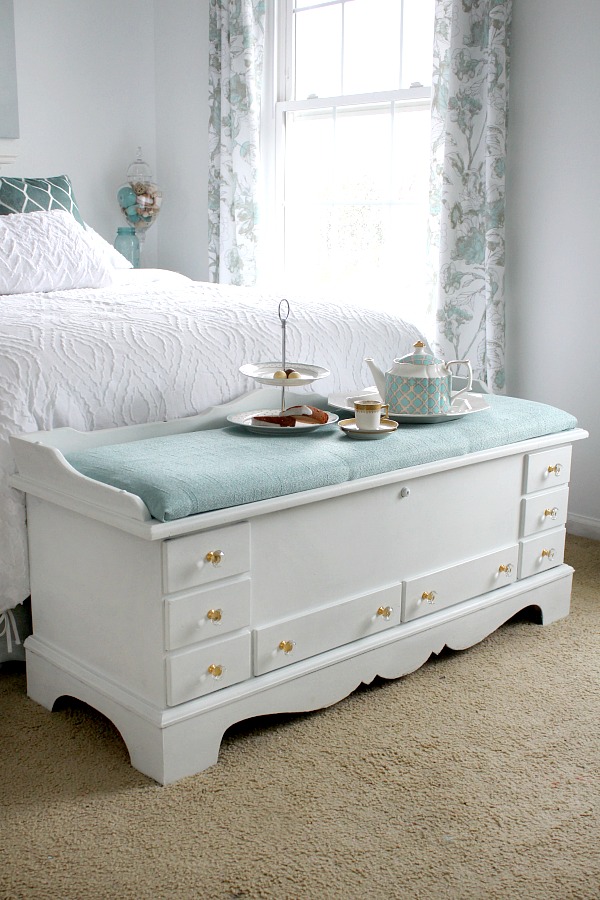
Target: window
[352, 137]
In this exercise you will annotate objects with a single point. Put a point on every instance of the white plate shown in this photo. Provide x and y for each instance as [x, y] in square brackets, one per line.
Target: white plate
[264, 372]
[245, 420]
[463, 406]
[350, 428]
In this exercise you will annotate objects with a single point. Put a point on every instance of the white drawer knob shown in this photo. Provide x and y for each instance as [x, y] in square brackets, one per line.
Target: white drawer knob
[549, 554]
[286, 646]
[553, 513]
[215, 557]
[215, 670]
[556, 468]
[507, 569]
[429, 596]
[385, 612]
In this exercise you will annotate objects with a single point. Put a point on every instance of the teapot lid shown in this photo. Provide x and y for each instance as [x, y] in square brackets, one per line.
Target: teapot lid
[420, 356]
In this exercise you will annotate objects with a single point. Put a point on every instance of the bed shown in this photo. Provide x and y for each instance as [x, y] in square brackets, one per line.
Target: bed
[87, 342]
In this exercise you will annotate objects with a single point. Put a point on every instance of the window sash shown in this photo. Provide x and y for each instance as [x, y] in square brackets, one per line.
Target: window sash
[287, 15]
[275, 126]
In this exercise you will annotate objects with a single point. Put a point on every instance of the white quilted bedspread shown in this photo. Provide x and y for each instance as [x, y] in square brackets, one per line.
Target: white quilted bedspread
[156, 346]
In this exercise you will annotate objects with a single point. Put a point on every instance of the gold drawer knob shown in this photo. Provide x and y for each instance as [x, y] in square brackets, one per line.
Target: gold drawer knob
[556, 468]
[507, 569]
[215, 557]
[215, 670]
[385, 612]
[215, 615]
[549, 554]
[429, 596]
[286, 646]
[553, 513]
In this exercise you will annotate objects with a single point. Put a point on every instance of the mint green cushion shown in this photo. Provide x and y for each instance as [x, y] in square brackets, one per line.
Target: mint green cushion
[23, 195]
[185, 474]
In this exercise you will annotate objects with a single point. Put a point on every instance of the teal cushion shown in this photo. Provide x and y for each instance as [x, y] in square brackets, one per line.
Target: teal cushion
[23, 195]
[181, 475]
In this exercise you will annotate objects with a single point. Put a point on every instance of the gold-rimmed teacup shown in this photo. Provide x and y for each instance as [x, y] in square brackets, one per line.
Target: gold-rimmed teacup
[368, 413]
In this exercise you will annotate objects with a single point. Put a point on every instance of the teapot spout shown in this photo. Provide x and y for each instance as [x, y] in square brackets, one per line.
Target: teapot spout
[378, 376]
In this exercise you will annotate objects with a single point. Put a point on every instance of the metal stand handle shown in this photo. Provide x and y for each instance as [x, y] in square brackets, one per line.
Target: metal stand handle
[284, 311]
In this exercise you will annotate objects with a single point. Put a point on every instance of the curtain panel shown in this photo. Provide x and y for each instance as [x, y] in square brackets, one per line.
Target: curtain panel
[236, 47]
[469, 122]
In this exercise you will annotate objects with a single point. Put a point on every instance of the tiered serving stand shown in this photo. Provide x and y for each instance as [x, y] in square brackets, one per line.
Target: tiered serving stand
[265, 373]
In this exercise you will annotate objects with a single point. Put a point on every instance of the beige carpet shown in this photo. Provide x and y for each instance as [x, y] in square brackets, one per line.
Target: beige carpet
[476, 777]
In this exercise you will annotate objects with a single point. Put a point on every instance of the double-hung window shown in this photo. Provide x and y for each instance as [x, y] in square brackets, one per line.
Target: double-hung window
[352, 139]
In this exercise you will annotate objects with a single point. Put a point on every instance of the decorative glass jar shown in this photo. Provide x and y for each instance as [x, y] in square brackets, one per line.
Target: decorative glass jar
[126, 242]
[140, 197]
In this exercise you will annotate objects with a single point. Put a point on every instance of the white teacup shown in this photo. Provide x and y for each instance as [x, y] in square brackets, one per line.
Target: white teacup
[368, 413]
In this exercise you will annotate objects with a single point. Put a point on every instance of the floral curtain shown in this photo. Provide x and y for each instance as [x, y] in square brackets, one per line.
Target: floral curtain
[469, 118]
[236, 43]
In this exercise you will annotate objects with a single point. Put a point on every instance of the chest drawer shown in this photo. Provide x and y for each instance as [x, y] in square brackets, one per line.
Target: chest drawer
[542, 552]
[293, 639]
[544, 511]
[547, 469]
[444, 588]
[207, 613]
[201, 558]
[206, 668]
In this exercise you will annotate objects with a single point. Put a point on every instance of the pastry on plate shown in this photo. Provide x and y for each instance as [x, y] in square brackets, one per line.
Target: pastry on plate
[284, 421]
[309, 414]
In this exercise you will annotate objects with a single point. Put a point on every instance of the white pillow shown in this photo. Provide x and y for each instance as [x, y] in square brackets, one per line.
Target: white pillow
[48, 251]
[115, 259]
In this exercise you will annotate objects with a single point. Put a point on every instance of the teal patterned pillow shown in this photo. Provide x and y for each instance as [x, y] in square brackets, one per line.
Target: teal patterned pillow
[23, 195]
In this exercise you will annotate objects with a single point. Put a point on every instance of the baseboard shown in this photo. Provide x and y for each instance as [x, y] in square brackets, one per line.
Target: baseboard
[584, 526]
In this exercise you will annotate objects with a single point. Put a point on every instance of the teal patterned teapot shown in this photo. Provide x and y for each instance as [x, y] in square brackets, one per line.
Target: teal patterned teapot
[419, 384]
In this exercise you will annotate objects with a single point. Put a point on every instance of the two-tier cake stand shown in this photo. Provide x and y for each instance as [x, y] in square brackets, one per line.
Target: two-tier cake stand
[283, 374]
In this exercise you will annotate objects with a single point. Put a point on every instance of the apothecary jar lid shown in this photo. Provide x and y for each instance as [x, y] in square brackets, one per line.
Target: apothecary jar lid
[139, 171]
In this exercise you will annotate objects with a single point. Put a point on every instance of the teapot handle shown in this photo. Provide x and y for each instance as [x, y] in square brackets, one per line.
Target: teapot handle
[462, 362]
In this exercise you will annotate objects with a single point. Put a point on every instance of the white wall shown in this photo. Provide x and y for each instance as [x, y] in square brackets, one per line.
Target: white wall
[85, 75]
[553, 202]
[182, 147]
[98, 78]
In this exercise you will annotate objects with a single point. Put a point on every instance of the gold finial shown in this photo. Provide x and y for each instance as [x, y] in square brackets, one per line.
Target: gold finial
[419, 344]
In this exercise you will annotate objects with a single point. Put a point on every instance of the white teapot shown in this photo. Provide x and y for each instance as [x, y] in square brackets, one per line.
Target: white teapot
[419, 384]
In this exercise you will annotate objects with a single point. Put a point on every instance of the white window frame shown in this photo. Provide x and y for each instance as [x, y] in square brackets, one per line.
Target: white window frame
[277, 91]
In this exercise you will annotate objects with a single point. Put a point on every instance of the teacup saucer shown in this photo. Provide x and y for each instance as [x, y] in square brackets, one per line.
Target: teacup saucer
[349, 427]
